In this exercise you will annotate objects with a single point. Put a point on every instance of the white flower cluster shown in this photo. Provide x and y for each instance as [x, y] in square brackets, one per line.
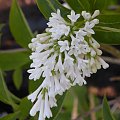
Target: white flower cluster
[64, 55]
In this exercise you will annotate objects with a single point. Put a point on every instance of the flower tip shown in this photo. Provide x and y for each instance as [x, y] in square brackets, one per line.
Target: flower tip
[96, 13]
[32, 113]
[106, 66]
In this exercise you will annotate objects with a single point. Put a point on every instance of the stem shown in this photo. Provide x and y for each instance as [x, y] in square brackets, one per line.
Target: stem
[80, 117]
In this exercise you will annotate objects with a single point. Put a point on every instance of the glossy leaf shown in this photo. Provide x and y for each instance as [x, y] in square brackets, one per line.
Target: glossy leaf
[109, 20]
[17, 78]
[107, 115]
[81, 93]
[25, 107]
[33, 85]
[79, 5]
[12, 116]
[13, 59]
[107, 36]
[65, 114]
[98, 4]
[48, 6]
[56, 110]
[4, 92]
[19, 26]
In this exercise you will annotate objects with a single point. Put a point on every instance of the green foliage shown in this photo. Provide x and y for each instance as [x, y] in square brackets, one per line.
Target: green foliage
[98, 4]
[5, 95]
[107, 115]
[109, 20]
[33, 85]
[19, 26]
[108, 31]
[66, 110]
[13, 59]
[17, 78]
[108, 36]
[82, 94]
[12, 116]
[57, 109]
[79, 5]
[48, 6]
[24, 108]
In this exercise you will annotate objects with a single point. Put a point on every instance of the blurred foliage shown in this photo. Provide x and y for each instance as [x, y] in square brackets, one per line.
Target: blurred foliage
[108, 31]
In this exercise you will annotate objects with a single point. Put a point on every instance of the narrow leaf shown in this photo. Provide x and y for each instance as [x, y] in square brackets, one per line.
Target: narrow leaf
[110, 20]
[48, 6]
[98, 4]
[19, 26]
[107, 115]
[13, 59]
[107, 37]
[4, 92]
[17, 78]
[25, 107]
[12, 116]
[33, 85]
[79, 5]
[57, 109]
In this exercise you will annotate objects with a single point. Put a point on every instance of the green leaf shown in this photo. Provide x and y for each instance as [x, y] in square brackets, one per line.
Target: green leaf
[108, 31]
[19, 26]
[33, 85]
[17, 78]
[25, 107]
[12, 59]
[56, 110]
[84, 5]
[98, 4]
[4, 93]
[107, 36]
[82, 94]
[79, 5]
[12, 116]
[109, 20]
[65, 114]
[107, 115]
[48, 6]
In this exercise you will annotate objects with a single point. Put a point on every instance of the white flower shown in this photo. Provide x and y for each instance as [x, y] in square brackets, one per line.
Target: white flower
[59, 66]
[59, 30]
[35, 108]
[86, 15]
[88, 28]
[65, 82]
[103, 63]
[80, 34]
[79, 79]
[63, 56]
[58, 87]
[41, 114]
[52, 102]
[47, 111]
[64, 45]
[56, 19]
[96, 13]
[33, 96]
[73, 17]
[35, 73]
